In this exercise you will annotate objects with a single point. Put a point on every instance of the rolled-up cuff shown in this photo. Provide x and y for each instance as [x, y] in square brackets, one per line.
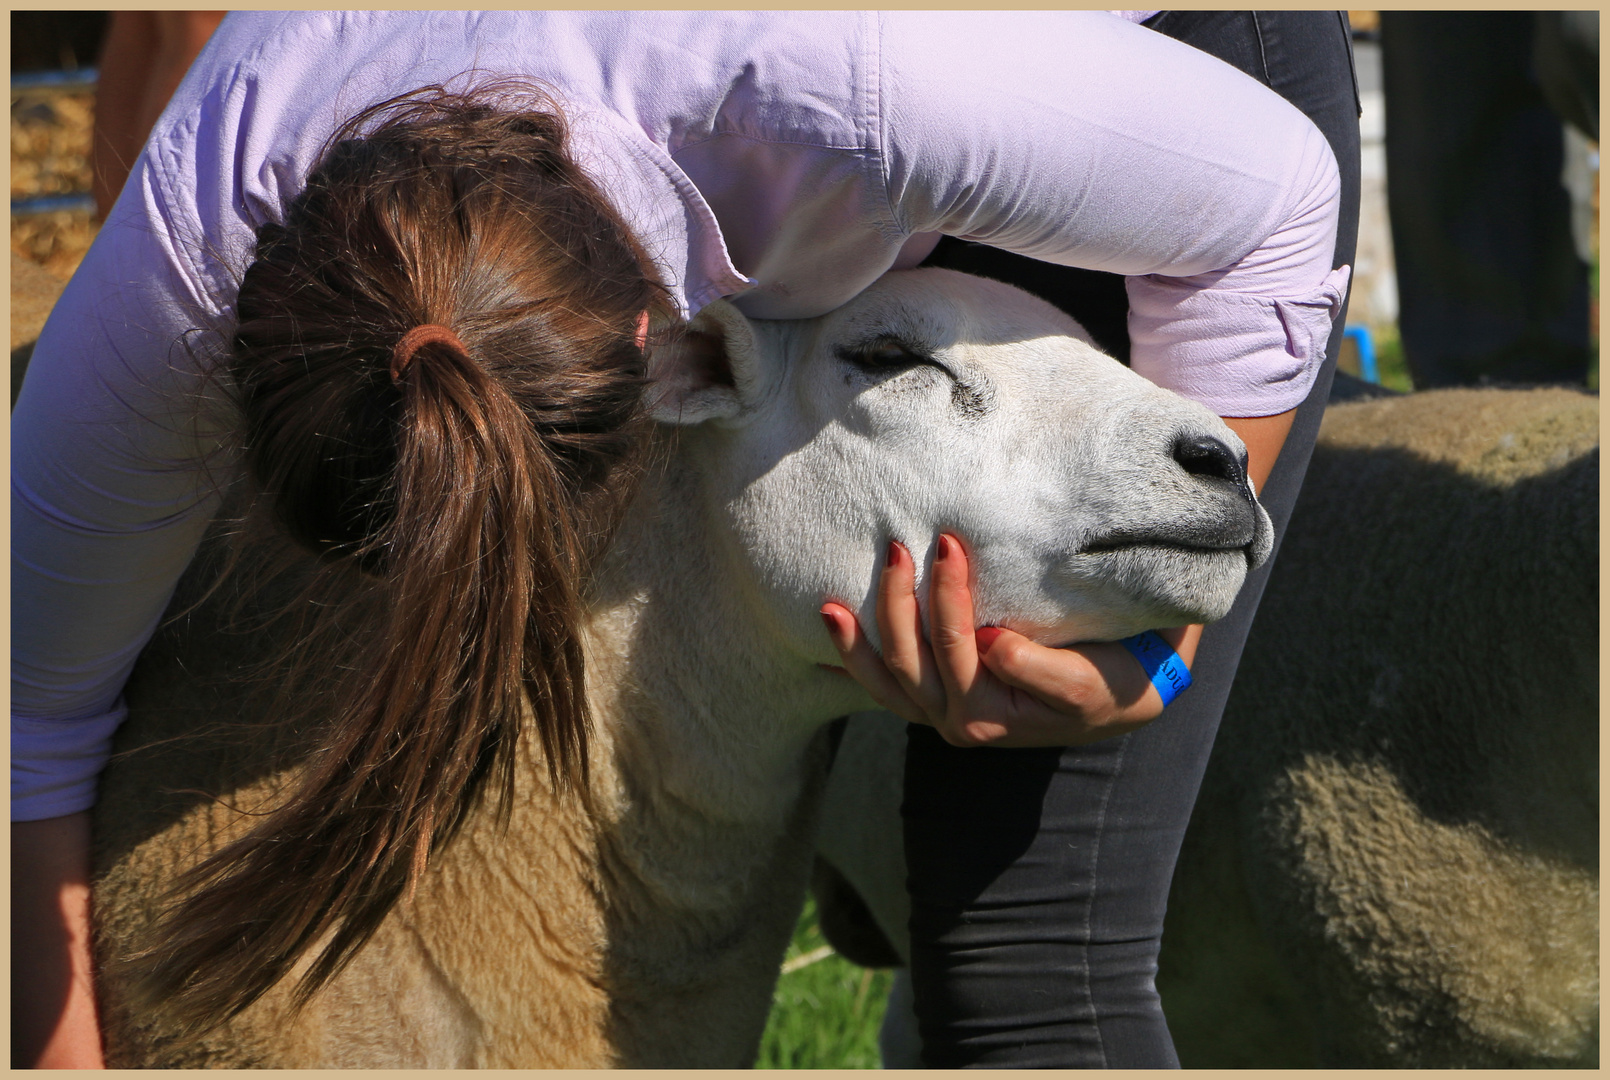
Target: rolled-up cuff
[55, 763]
[1239, 355]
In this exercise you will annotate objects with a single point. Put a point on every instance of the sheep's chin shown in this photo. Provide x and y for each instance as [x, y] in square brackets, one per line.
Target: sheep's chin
[1161, 585]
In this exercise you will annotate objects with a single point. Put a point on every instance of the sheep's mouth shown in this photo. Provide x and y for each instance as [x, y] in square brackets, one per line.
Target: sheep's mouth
[1153, 544]
[1241, 529]
[1240, 538]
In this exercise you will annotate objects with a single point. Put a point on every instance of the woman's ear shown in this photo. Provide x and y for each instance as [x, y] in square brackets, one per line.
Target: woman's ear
[708, 371]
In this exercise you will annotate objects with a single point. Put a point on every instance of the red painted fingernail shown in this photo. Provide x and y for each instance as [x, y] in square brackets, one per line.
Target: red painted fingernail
[985, 637]
[892, 557]
[834, 630]
[947, 547]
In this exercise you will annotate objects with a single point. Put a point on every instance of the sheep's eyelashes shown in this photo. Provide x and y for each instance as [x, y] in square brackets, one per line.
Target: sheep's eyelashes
[885, 355]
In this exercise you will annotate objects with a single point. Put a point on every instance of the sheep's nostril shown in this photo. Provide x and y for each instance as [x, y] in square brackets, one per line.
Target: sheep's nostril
[1203, 455]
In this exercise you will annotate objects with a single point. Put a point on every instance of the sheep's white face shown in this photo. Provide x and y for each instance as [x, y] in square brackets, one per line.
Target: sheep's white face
[1092, 503]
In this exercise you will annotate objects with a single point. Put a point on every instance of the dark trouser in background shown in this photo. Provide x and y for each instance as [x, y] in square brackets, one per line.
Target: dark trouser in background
[1039, 878]
[1490, 285]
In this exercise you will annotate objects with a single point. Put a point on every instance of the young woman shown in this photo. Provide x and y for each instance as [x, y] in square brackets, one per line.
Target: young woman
[781, 160]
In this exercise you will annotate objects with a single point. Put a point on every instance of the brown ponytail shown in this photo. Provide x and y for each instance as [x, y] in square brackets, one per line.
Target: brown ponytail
[477, 482]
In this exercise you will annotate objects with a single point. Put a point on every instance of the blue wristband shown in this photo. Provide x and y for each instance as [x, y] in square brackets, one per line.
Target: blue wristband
[1163, 665]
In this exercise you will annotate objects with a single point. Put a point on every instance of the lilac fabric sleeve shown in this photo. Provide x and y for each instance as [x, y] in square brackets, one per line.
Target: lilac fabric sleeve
[1093, 142]
[109, 497]
[55, 762]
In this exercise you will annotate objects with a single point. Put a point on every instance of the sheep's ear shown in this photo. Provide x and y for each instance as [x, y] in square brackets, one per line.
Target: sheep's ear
[708, 371]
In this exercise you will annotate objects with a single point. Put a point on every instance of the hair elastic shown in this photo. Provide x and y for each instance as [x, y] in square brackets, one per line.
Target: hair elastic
[1163, 665]
[402, 354]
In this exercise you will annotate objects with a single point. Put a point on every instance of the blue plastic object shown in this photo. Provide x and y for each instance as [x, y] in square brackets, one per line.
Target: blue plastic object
[1366, 353]
[82, 202]
[78, 79]
[1163, 665]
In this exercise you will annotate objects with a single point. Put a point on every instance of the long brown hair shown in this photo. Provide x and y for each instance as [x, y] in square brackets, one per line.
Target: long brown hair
[478, 485]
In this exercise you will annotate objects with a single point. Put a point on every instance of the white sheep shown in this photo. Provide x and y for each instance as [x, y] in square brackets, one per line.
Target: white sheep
[650, 933]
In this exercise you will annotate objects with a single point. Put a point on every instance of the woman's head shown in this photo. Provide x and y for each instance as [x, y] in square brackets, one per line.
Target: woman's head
[474, 475]
[455, 211]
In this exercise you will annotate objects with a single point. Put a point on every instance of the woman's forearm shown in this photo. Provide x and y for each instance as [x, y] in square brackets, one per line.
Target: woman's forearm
[1264, 436]
[53, 1016]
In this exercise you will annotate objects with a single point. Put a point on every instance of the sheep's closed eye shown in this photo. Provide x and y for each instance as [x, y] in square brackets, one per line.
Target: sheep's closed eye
[885, 355]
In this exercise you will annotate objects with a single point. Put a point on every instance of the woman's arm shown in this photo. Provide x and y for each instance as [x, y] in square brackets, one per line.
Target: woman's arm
[53, 1018]
[1079, 139]
[102, 525]
[993, 686]
[115, 473]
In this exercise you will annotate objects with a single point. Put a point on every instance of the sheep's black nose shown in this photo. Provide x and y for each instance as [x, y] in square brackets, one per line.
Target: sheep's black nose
[1203, 455]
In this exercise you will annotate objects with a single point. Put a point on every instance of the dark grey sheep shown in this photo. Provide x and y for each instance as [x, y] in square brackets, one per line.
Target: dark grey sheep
[1394, 860]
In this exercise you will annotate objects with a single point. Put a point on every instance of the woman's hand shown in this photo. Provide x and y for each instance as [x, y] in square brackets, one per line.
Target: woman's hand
[53, 1021]
[993, 687]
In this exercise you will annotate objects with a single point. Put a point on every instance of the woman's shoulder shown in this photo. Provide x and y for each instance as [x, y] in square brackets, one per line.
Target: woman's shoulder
[271, 87]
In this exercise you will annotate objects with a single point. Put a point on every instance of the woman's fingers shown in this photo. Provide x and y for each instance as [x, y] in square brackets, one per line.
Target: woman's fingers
[863, 664]
[905, 652]
[950, 604]
[1097, 684]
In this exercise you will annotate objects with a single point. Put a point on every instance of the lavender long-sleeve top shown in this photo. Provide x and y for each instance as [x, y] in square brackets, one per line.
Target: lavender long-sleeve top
[783, 160]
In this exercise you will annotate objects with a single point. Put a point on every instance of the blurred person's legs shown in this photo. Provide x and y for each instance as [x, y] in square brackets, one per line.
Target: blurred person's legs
[1491, 287]
[1565, 55]
[142, 62]
[1039, 878]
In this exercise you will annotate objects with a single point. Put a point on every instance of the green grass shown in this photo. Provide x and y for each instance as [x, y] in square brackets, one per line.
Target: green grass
[1390, 366]
[824, 1015]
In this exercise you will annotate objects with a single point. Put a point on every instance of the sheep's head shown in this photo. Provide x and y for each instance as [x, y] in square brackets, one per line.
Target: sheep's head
[1093, 504]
